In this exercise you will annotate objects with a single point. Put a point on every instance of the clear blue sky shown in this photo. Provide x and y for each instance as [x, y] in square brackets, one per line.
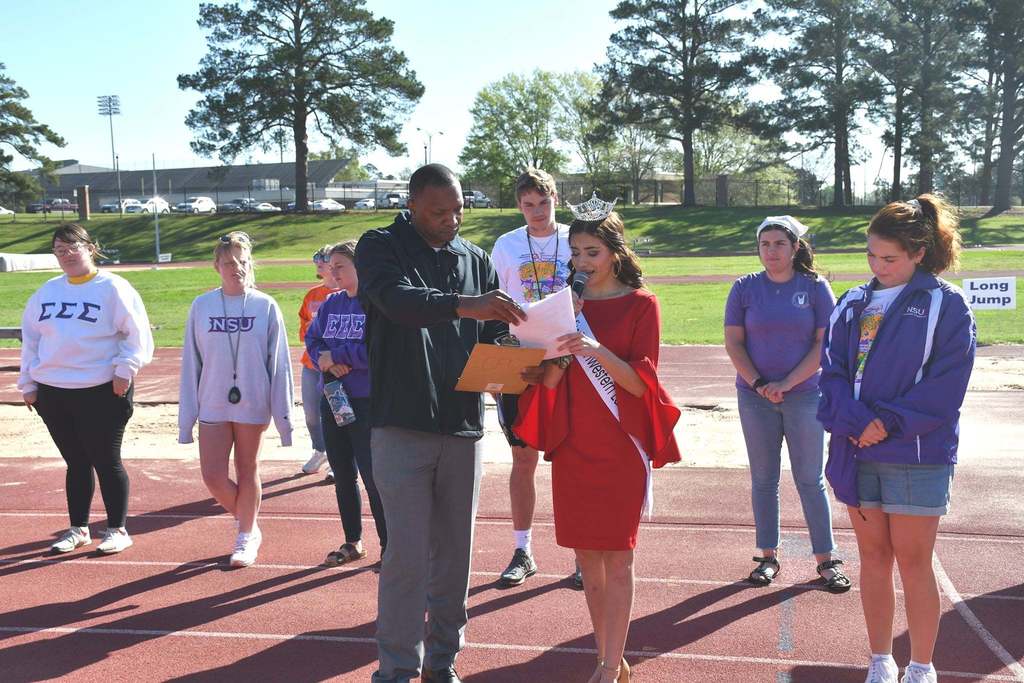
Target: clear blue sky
[67, 53]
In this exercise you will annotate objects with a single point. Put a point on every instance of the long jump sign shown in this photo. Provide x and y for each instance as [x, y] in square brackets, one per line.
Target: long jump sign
[990, 293]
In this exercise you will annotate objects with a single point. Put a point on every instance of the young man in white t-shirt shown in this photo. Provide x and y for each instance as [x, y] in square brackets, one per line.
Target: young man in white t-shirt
[532, 262]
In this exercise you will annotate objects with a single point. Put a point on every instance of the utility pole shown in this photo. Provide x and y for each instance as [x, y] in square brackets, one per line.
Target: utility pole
[156, 215]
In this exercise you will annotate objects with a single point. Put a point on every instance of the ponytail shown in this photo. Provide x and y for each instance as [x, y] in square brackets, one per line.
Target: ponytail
[928, 222]
[803, 260]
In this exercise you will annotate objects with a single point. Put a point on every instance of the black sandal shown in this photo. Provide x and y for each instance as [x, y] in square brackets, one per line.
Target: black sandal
[348, 552]
[767, 569]
[839, 582]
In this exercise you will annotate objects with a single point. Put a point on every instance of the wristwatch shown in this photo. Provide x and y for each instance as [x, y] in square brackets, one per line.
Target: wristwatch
[563, 361]
[758, 383]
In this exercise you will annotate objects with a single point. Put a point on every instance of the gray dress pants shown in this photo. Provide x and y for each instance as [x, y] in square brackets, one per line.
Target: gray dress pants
[429, 485]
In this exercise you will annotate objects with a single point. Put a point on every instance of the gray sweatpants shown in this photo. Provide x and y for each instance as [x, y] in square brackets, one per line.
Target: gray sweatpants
[429, 485]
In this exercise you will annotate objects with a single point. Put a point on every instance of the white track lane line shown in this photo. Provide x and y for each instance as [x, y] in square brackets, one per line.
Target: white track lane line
[974, 622]
[667, 527]
[539, 649]
[94, 562]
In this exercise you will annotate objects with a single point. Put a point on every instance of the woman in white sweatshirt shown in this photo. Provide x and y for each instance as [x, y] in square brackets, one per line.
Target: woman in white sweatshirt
[235, 375]
[85, 335]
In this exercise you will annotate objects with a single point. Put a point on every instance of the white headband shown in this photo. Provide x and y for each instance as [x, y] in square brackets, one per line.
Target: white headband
[787, 222]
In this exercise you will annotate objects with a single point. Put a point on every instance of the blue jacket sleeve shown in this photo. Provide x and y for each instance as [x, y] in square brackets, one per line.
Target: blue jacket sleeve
[838, 411]
[383, 285]
[936, 399]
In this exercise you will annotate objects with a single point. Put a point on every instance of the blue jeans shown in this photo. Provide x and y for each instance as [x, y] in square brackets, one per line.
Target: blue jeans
[311, 395]
[764, 424]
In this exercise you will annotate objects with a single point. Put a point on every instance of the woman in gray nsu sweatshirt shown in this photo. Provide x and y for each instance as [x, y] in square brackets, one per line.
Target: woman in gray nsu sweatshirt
[235, 376]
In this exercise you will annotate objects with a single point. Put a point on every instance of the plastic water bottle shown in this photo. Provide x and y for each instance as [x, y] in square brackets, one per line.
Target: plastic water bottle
[340, 405]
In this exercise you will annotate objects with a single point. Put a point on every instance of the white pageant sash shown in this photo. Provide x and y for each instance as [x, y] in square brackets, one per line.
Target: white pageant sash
[605, 386]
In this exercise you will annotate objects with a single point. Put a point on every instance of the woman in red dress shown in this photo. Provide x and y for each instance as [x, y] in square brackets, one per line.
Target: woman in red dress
[601, 461]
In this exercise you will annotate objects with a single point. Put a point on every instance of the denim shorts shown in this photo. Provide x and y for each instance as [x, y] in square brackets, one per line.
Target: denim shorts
[901, 489]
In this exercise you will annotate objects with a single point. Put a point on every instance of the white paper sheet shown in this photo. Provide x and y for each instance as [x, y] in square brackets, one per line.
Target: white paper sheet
[546, 321]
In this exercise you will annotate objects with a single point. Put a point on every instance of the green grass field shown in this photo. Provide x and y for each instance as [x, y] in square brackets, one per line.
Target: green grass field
[692, 313]
[980, 260]
[670, 229]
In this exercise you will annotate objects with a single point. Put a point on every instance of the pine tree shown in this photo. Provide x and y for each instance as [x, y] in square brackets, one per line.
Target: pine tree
[296, 64]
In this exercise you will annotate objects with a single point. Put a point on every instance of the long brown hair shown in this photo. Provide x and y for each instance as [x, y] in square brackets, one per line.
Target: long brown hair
[927, 222]
[612, 232]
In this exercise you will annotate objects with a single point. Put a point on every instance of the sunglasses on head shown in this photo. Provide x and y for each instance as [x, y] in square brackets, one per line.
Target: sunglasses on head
[318, 257]
[237, 234]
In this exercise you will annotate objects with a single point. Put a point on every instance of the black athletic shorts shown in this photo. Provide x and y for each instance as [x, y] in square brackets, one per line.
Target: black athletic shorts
[508, 409]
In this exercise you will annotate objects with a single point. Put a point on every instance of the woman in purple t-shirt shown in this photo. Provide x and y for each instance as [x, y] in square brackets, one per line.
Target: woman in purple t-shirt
[774, 323]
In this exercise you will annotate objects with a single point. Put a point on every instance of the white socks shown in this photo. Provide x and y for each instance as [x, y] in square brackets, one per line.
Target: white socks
[923, 667]
[523, 539]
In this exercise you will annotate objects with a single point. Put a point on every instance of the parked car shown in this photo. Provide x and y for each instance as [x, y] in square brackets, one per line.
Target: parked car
[151, 205]
[37, 207]
[265, 207]
[328, 205]
[63, 205]
[230, 207]
[366, 203]
[475, 199]
[5, 212]
[245, 204]
[113, 207]
[196, 205]
[396, 200]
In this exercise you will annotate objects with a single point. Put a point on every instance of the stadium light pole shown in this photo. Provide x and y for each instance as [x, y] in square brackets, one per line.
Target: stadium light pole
[120, 200]
[428, 146]
[110, 106]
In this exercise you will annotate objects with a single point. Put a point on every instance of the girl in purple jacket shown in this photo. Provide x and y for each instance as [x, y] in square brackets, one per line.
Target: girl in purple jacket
[336, 342]
[896, 359]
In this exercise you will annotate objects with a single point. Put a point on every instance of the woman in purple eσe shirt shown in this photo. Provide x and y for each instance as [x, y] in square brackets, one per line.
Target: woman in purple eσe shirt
[336, 342]
[774, 324]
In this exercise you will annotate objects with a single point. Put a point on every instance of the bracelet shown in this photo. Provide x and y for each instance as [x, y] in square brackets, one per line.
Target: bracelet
[563, 361]
[758, 383]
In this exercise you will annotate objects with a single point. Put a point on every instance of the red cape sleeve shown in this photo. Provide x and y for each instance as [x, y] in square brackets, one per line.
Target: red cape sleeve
[543, 420]
[651, 417]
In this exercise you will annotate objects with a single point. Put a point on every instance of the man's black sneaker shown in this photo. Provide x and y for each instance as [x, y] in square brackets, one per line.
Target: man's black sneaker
[518, 570]
[446, 675]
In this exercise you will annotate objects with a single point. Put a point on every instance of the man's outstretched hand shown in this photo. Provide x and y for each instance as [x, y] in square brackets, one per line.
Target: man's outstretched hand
[494, 305]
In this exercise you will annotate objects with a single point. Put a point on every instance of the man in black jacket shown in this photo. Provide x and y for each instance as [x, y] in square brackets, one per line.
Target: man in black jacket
[429, 297]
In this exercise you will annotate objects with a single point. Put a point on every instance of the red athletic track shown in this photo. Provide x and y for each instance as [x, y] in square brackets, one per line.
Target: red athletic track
[168, 608]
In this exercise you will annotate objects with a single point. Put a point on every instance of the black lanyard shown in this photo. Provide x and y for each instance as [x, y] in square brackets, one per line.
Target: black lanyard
[533, 261]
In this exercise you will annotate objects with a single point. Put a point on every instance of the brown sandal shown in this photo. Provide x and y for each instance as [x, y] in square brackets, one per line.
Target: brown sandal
[348, 552]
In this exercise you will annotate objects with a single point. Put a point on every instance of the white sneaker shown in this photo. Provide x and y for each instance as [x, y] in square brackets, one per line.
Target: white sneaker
[882, 670]
[114, 541]
[330, 475]
[247, 545]
[913, 674]
[75, 537]
[315, 462]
